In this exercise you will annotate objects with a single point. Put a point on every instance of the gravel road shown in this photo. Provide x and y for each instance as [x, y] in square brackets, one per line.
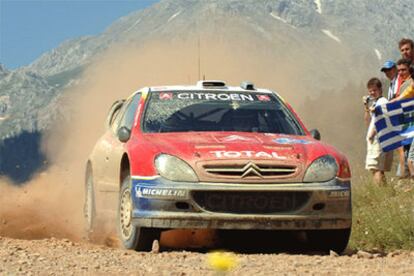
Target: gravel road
[65, 257]
[27, 249]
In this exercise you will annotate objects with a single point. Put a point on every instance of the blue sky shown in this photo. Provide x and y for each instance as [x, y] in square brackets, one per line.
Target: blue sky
[28, 28]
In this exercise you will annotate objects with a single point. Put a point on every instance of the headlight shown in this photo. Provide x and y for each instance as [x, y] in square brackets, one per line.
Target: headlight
[174, 169]
[321, 170]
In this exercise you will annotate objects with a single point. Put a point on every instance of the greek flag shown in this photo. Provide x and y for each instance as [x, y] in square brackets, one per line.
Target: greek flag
[394, 123]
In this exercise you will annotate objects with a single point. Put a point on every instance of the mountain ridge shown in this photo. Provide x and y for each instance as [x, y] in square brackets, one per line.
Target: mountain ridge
[339, 19]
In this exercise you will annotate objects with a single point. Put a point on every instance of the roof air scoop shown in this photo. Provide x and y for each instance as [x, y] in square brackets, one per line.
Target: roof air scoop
[247, 85]
[211, 83]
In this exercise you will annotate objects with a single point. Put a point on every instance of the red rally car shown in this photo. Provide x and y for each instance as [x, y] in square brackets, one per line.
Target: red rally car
[217, 157]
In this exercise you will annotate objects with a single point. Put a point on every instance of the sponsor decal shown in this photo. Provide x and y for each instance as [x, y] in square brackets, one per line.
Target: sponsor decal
[166, 96]
[246, 153]
[339, 194]
[144, 95]
[215, 96]
[243, 201]
[141, 177]
[263, 98]
[160, 88]
[291, 141]
[236, 138]
[235, 105]
[137, 115]
[160, 193]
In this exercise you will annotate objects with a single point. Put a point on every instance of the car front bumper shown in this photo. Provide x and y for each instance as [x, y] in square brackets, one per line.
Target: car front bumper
[160, 203]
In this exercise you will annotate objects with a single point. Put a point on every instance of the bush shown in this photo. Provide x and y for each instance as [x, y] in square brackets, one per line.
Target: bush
[383, 217]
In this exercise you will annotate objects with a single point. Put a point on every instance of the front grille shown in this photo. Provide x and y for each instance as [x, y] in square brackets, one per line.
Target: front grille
[249, 170]
[250, 202]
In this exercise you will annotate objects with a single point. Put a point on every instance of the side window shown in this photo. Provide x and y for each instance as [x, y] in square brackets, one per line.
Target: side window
[113, 113]
[115, 120]
[129, 114]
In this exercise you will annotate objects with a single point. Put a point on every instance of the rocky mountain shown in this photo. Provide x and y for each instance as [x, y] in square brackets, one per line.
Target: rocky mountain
[27, 95]
[326, 43]
[373, 26]
[27, 107]
[3, 71]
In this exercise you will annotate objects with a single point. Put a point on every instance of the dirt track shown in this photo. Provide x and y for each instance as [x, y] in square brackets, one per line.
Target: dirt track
[64, 257]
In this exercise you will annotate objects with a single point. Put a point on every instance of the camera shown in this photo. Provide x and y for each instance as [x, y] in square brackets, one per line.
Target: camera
[366, 100]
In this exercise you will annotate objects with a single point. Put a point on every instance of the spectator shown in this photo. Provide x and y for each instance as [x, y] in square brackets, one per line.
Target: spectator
[406, 94]
[376, 161]
[406, 47]
[390, 70]
[403, 68]
[403, 82]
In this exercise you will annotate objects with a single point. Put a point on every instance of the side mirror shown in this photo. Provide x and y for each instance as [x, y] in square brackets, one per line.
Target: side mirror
[315, 134]
[124, 134]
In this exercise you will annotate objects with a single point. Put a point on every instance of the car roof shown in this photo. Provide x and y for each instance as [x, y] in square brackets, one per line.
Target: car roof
[198, 88]
[221, 87]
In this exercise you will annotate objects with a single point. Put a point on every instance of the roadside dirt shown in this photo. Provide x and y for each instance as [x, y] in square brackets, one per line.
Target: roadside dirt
[64, 257]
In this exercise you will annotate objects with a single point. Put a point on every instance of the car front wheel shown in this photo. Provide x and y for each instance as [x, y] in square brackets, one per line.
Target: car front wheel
[325, 240]
[132, 237]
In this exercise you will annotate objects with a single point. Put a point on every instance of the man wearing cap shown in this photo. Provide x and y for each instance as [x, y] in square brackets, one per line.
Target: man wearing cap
[390, 70]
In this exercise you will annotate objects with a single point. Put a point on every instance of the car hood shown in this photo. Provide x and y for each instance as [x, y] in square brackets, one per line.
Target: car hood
[236, 149]
[231, 145]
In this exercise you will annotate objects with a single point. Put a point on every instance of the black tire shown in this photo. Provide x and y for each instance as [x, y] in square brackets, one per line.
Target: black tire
[132, 237]
[325, 240]
[89, 207]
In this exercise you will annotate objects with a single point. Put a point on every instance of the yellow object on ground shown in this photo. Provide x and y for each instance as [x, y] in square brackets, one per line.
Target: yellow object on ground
[222, 261]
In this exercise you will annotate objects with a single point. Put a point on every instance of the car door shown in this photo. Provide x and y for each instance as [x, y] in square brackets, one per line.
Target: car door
[103, 147]
[108, 153]
[114, 156]
[100, 155]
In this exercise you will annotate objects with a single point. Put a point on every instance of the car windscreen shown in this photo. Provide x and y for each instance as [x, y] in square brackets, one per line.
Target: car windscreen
[184, 111]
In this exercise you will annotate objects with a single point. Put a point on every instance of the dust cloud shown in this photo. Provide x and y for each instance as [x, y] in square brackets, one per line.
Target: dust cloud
[51, 204]
[45, 207]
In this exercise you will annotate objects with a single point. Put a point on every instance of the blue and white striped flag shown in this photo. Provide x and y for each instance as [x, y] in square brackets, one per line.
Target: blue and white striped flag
[394, 123]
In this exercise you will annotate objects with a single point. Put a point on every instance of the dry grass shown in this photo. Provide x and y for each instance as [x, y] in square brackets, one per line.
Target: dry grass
[383, 217]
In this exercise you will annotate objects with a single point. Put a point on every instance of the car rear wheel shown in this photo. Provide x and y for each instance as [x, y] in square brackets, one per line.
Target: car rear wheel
[325, 240]
[89, 209]
[132, 237]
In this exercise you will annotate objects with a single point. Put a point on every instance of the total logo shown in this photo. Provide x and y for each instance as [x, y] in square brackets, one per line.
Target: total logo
[246, 153]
